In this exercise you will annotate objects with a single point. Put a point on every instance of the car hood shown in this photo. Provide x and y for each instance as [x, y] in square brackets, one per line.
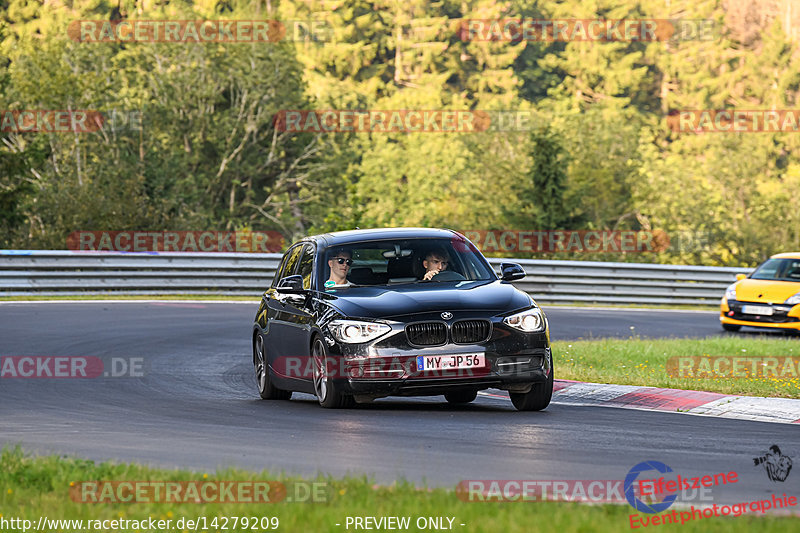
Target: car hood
[765, 290]
[399, 300]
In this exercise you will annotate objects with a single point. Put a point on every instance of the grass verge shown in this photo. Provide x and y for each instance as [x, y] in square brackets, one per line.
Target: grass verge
[643, 362]
[34, 487]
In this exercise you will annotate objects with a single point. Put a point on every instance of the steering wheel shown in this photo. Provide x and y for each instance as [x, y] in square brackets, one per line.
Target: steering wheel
[448, 275]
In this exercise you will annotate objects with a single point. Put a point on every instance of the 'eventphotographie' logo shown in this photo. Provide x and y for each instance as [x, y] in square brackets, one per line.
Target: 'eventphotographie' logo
[629, 487]
[775, 463]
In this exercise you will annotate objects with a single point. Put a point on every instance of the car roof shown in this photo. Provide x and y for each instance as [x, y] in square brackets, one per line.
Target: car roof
[341, 238]
[786, 255]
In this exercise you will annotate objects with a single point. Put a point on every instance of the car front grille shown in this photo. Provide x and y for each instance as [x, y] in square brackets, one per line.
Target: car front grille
[778, 316]
[461, 332]
[427, 333]
[470, 331]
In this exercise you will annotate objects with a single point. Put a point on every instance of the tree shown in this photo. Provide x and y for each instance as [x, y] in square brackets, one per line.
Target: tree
[539, 199]
[208, 154]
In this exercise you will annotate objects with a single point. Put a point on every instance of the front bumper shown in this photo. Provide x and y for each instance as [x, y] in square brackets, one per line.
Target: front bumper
[782, 317]
[514, 361]
[399, 376]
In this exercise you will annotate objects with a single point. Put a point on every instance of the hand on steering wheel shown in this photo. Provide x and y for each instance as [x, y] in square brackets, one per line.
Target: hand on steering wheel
[429, 274]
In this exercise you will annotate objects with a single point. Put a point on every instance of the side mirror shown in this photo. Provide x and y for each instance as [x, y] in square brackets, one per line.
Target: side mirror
[511, 271]
[740, 277]
[291, 284]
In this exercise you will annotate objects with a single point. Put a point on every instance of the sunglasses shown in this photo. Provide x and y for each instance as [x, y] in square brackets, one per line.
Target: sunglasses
[342, 260]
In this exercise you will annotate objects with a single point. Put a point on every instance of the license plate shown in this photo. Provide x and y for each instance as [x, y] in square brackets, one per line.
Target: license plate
[756, 310]
[447, 362]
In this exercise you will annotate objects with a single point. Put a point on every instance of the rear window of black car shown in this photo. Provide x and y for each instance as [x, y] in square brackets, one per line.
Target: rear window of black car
[386, 262]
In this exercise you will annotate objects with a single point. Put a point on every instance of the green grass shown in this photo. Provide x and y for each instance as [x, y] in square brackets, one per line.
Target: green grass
[33, 487]
[637, 361]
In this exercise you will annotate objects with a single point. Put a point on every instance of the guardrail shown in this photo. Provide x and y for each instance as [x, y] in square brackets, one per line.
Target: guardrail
[48, 273]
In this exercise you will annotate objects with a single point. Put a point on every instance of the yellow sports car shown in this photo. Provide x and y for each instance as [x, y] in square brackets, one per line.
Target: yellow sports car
[767, 298]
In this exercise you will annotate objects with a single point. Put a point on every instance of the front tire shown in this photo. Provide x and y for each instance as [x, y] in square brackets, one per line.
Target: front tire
[731, 327]
[266, 389]
[461, 397]
[537, 398]
[325, 389]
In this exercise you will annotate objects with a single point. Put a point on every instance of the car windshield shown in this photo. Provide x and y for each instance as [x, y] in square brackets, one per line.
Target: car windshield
[387, 262]
[778, 269]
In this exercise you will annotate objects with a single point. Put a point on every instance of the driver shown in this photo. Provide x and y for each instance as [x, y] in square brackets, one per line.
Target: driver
[339, 263]
[435, 261]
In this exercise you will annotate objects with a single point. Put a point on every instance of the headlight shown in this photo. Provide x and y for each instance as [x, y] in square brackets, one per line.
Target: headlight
[355, 331]
[528, 321]
[793, 300]
[730, 292]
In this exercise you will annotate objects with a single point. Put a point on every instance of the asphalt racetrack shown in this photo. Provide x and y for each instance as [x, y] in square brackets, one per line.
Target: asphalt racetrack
[197, 406]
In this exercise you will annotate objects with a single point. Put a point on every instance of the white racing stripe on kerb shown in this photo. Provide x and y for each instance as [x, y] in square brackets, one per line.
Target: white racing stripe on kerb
[751, 408]
[582, 392]
[593, 392]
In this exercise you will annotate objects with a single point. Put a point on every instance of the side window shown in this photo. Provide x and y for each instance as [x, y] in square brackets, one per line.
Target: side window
[278, 273]
[793, 270]
[288, 265]
[306, 265]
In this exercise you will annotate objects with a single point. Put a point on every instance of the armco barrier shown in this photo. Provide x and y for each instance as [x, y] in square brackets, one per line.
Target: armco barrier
[45, 272]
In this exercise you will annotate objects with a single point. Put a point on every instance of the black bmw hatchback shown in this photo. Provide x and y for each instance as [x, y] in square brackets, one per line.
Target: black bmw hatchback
[357, 315]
